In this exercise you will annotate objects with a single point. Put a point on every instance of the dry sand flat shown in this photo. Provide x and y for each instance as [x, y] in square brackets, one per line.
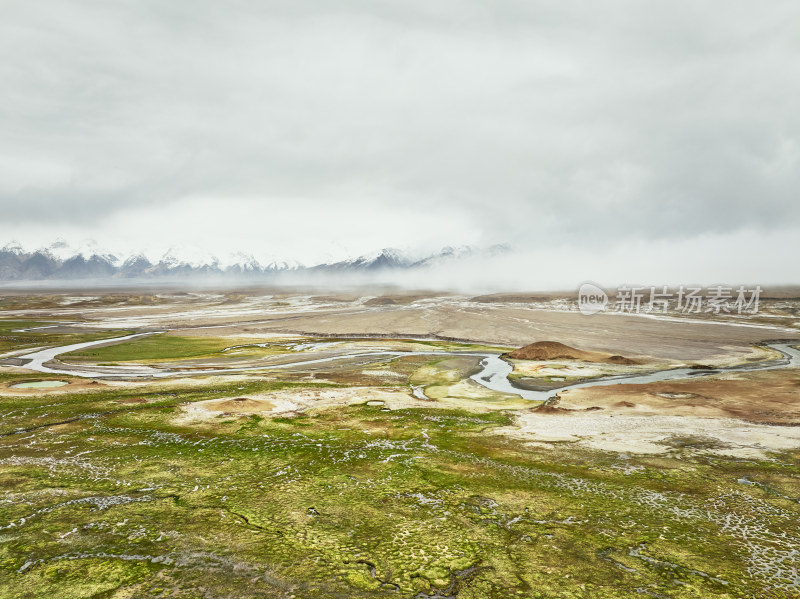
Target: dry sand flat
[535, 371]
[510, 324]
[768, 397]
[294, 401]
[514, 326]
[654, 433]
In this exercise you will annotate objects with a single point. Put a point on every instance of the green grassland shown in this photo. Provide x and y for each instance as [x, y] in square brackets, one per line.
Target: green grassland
[455, 346]
[110, 493]
[153, 347]
[166, 347]
[105, 498]
[175, 347]
[12, 338]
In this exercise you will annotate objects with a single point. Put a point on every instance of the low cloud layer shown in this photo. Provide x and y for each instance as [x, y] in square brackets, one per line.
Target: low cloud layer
[312, 130]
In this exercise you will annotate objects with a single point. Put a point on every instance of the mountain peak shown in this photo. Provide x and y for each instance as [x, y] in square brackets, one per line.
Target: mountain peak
[59, 260]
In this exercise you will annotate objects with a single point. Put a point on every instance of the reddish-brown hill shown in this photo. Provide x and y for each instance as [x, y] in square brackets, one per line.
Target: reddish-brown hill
[553, 350]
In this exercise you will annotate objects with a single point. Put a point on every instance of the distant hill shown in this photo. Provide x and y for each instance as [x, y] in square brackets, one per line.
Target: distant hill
[553, 350]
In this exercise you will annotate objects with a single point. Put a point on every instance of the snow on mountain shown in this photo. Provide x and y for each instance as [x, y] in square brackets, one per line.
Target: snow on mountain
[183, 256]
[89, 248]
[382, 259]
[61, 260]
[13, 247]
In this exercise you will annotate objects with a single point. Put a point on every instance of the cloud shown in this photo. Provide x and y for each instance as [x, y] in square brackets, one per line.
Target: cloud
[351, 124]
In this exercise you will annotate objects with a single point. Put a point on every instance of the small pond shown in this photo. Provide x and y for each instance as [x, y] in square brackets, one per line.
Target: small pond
[39, 385]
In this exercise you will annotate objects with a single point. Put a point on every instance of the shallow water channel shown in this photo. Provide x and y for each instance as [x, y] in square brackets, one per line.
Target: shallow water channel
[493, 373]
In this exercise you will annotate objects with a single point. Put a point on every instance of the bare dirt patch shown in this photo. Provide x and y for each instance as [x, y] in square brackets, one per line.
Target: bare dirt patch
[239, 405]
[654, 434]
[71, 386]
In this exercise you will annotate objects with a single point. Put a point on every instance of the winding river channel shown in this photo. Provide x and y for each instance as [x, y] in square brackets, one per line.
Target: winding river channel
[493, 374]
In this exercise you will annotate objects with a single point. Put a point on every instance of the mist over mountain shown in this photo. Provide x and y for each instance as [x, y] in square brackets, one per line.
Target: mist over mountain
[59, 262]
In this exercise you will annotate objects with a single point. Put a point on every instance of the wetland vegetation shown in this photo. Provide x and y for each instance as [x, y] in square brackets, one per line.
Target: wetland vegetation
[105, 494]
[341, 480]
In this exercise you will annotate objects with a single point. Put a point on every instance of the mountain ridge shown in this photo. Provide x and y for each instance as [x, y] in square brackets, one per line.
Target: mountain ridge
[90, 262]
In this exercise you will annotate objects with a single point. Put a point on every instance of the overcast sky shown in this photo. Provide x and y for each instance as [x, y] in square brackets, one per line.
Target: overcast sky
[595, 136]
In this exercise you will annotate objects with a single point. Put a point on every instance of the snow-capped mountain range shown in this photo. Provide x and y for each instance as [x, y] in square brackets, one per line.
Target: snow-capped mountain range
[59, 261]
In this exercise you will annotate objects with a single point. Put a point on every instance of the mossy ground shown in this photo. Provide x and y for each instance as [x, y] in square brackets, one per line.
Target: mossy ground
[121, 502]
[107, 493]
[156, 348]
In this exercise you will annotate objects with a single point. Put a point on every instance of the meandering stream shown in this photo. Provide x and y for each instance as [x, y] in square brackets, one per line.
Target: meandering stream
[493, 374]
